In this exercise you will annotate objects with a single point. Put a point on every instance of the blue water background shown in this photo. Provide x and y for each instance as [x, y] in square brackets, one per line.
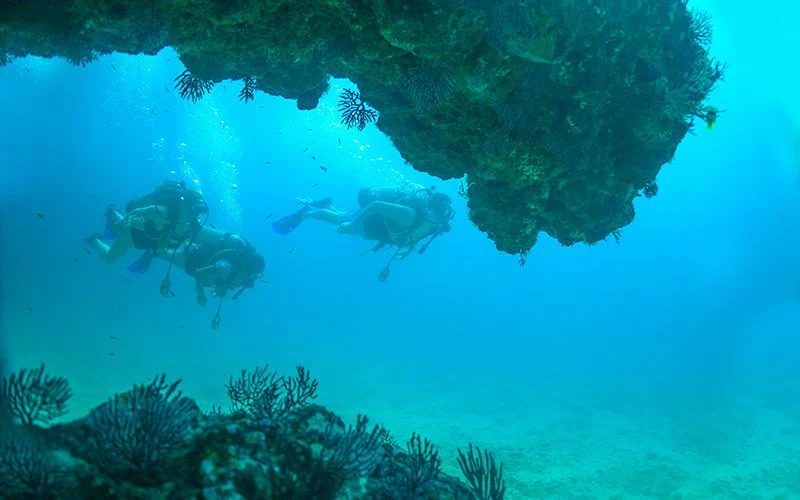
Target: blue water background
[695, 312]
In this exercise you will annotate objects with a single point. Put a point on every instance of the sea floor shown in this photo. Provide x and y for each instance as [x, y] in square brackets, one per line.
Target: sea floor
[552, 445]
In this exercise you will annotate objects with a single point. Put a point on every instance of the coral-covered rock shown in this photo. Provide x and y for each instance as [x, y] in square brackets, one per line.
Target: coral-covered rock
[559, 112]
[154, 442]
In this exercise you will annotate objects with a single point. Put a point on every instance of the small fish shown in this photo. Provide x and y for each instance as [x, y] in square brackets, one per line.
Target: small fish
[267, 163]
[82, 303]
[323, 168]
[40, 215]
[268, 216]
[340, 140]
[313, 157]
[75, 259]
[280, 133]
[88, 252]
[111, 354]
[153, 112]
[180, 326]
[234, 186]
[309, 129]
[125, 279]
[113, 67]
[291, 250]
[264, 281]
[261, 107]
[119, 310]
[27, 70]
[314, 185]
[305, 150]
[212, 226]
[112, 337]
[166, 110]
[30, 309]
[166, 89]
[172, 294]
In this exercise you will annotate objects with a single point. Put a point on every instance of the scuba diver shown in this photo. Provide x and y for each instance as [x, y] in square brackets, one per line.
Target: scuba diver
[392, 216]
[157, 222]
[222, 262]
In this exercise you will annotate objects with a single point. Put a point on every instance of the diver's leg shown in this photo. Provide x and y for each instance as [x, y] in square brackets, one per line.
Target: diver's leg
[112, 253]
[326, 215]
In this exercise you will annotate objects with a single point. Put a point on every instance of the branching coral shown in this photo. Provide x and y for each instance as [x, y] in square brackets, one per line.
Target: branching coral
[354, 110]
[84, 59]
[248, 92]
[422, 466]
[33, 397]
[135, 434]
[27, 470]
[701, 27]
[191, 87]
[483, 474]
[268, 397]
[355, 452]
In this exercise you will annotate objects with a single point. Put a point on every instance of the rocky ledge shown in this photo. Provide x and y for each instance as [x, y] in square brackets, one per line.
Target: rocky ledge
[557, 113]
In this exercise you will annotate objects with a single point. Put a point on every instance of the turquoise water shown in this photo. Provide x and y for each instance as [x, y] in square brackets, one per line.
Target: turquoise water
[662, 367]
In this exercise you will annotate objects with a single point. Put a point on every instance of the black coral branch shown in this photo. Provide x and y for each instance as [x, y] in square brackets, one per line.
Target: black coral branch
[248, 92]
[191, 87]
[354, 110]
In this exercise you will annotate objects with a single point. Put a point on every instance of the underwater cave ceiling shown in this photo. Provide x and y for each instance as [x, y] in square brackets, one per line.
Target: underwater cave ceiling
[559, 112]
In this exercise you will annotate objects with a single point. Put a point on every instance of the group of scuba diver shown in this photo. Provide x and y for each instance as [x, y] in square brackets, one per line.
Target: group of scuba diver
[171, 223]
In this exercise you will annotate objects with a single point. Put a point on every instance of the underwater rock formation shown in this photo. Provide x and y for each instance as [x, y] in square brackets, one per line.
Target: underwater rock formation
[558, 112]
[154, 442]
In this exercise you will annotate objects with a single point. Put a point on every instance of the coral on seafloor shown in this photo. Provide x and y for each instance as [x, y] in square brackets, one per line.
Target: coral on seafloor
[154, 442]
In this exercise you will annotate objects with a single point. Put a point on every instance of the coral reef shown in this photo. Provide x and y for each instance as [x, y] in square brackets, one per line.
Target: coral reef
[559, 111]
[154, 442]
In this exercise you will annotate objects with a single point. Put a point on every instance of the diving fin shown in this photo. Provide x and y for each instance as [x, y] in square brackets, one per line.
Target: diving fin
[290, 222]
[142, 264]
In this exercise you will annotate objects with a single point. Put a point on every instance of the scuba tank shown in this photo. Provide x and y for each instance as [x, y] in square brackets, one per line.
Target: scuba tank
[388, 194]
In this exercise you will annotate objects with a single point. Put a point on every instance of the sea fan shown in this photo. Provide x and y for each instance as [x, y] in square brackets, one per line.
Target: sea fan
[354, 110]
[33, 397]
[83, 59]
[485, 477]
[429, 86]
[191, 87]
[134, 434]
[248, 92]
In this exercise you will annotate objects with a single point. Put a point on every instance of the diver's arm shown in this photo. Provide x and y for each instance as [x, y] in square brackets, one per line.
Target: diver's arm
[156, 213]
[404, 216]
